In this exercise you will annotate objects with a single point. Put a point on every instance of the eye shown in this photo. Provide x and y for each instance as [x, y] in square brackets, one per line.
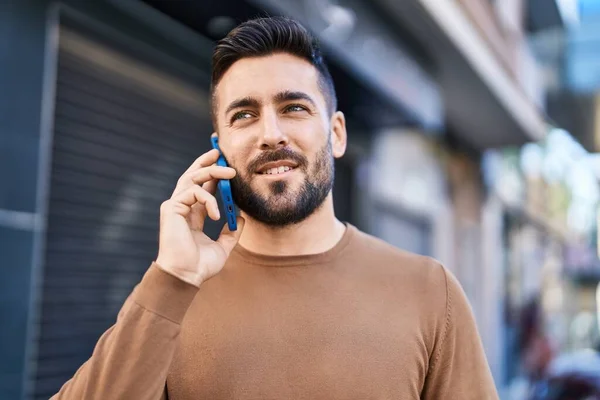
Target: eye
[240, 115]
[294, 108]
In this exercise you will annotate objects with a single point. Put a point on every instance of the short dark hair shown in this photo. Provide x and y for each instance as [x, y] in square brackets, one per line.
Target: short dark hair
[265, 36]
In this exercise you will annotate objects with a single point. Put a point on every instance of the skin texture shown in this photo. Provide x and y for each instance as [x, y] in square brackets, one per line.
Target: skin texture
[271, 108]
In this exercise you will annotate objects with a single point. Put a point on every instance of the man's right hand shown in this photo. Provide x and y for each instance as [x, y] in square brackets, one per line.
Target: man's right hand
[185, 251]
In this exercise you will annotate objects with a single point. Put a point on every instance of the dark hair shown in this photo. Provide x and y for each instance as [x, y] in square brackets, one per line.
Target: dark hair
[265, 36]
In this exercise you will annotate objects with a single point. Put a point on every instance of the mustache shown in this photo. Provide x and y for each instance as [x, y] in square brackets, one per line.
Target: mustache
[277, 155]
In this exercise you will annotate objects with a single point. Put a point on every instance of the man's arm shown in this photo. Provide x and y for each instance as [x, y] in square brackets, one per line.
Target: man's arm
[132, 358]
[458, 368]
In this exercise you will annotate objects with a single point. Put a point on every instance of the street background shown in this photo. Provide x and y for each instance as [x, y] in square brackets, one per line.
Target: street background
[474, 138]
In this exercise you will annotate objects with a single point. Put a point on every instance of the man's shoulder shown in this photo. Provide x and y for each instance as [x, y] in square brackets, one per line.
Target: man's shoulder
[378, 255]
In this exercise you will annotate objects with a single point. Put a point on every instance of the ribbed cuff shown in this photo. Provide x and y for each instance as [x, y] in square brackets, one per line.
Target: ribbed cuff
[164, 294]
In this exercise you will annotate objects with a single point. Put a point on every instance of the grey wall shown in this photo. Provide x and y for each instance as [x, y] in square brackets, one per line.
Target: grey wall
[22, 37]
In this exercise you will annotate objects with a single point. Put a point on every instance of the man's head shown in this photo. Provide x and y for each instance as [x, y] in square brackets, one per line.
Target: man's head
[274, 108]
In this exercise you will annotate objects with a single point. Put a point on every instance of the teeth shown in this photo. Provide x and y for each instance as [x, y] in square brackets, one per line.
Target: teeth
[278, 170]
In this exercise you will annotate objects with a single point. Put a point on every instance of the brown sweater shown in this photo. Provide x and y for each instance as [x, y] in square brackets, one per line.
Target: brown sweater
[363, 320]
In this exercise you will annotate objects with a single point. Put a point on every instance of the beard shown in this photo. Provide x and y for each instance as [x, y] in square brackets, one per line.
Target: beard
[285, 206]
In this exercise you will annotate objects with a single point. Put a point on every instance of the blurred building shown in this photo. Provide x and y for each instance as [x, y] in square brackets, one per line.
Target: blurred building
[105, 103]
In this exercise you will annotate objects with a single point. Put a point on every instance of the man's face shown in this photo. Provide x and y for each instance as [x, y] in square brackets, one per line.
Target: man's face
[275, 130]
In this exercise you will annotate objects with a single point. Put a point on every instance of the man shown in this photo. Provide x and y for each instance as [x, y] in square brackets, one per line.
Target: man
[294, 304]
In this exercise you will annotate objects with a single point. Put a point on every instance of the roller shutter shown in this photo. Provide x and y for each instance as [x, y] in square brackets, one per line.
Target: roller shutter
[124, 131]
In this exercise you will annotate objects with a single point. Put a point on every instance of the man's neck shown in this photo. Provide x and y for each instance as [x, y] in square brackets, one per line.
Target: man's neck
[316, 234]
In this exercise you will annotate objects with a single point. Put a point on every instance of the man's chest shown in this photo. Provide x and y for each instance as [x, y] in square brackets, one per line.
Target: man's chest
[274, 347]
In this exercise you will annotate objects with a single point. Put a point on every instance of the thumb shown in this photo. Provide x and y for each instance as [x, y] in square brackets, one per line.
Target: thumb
[228, 239]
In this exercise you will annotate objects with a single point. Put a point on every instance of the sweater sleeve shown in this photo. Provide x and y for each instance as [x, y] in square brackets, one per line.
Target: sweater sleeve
[132, 358]
[458, 367]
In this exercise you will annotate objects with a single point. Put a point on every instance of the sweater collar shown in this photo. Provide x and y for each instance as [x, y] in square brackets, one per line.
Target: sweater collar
[296, 260]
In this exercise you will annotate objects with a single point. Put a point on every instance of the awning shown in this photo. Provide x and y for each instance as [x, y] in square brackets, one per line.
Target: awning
[484, 105]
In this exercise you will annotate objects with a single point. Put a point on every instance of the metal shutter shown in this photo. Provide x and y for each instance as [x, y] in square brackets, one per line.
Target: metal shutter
[124, 132]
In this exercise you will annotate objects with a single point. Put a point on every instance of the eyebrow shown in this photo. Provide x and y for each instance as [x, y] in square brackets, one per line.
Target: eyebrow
[243, 102]
[286, 95]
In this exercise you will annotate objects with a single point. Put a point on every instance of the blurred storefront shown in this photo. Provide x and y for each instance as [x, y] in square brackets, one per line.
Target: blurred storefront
[549, 199]
[409, 204]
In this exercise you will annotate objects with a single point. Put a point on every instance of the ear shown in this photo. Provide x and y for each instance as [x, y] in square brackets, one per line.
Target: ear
[339, 136]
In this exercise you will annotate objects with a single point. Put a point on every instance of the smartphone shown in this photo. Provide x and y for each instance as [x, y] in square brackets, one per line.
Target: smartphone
[225, 190]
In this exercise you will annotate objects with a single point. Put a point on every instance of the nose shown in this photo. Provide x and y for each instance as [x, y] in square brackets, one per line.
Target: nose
[272, 136]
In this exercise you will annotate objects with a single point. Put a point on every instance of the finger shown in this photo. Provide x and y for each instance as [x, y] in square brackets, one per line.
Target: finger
[208, 158]
[229, 239]
[202, 175]
[196, 195]
[197, 215]
[210, 186]
[213, 172]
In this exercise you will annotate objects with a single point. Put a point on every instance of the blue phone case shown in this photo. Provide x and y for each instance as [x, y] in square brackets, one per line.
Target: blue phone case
[225, 190]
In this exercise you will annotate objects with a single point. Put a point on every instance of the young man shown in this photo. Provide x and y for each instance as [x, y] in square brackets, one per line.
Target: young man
[294, 304]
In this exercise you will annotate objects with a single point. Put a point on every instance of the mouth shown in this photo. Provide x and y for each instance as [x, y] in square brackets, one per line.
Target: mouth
[277, 168]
